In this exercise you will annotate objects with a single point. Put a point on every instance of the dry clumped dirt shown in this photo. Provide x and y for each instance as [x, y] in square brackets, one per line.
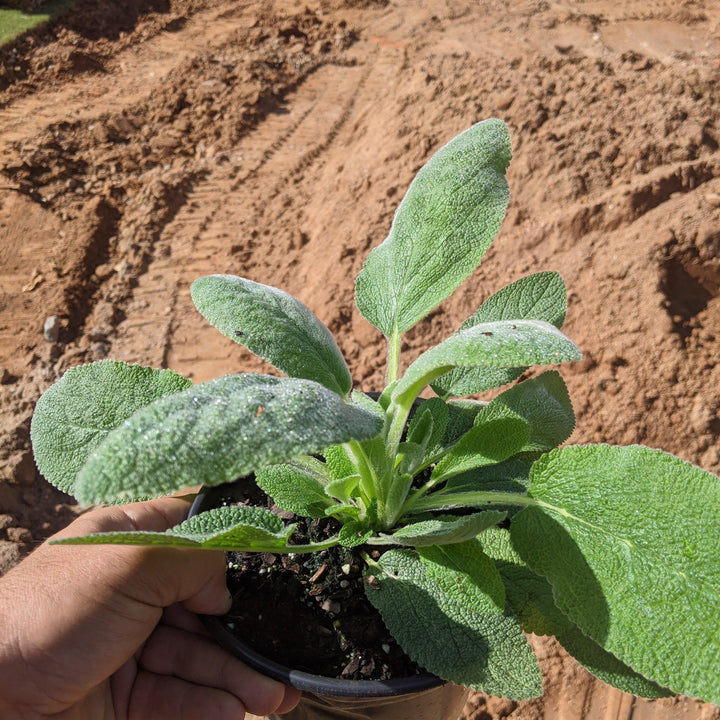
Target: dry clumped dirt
[148, 143]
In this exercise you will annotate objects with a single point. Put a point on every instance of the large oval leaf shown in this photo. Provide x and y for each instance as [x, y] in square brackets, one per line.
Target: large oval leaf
[506, 343]
[217, 431]
[76, 413]
[444, 225]
[629, 538]
[446, 607]
[274, 325]
[541, 296]
[530, 596]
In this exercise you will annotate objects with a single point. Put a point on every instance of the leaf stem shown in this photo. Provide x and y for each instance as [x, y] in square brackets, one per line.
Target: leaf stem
[313, 547]
[393, 356]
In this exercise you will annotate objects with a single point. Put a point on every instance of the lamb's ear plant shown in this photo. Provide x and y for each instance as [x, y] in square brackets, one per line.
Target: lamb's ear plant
[486, 528]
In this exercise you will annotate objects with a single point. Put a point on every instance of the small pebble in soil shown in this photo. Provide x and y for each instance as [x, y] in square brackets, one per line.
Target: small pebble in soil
[51, 329]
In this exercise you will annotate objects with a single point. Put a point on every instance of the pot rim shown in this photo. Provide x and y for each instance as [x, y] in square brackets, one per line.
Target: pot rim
[307, 682]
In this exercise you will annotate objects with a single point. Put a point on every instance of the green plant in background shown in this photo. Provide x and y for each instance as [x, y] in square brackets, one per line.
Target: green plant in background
[487, 528]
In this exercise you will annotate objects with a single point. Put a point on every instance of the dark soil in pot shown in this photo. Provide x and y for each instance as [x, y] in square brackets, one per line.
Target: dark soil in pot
[309, 611]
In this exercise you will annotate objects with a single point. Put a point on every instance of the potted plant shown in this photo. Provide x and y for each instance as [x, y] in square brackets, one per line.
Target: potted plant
[468, 524]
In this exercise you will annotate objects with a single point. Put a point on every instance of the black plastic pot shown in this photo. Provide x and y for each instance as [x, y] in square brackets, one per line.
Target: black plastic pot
[421, 697]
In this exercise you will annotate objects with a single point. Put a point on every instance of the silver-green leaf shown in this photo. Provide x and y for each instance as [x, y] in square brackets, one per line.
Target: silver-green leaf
[273, 325]
[242, 529]
[530, 596]
[216, 432]
[76, 413]
[445, 606]
[446, 530]
[486, 444]
[295, 489]
[541, 296]
[628, 538]
[543, 402]
[505, 343]
[441, 230]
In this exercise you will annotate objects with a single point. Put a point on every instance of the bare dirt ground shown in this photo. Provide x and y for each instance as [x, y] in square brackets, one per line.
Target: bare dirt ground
[145, 145]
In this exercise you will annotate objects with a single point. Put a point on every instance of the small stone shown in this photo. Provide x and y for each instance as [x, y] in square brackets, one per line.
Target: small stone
[51, 329]
[330, 606]
[6, 521]
[701, 415]
[19, 535]
[104, 271]
[99, 349]
[9, 555]
[713, 199]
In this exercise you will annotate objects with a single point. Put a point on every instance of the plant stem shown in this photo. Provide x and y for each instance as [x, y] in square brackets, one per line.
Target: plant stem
[393, 357]
[370, 483]
[312, 547]
[469, 499]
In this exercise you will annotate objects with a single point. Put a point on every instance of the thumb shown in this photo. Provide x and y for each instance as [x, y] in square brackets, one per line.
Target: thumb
[154, 576]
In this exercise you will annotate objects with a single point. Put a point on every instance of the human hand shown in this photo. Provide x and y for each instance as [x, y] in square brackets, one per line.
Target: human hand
[109, 632]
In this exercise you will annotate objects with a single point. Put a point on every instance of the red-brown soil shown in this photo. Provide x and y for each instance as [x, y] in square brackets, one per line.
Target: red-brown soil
[148, 142]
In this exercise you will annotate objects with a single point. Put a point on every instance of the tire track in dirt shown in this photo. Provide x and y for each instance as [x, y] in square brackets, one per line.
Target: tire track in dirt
[214, 231]
[134, 74]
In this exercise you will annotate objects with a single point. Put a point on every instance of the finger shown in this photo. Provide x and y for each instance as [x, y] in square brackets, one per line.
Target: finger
[291, 699]
[199, 660]
[169, 698]
[152, 516]
[179, 617]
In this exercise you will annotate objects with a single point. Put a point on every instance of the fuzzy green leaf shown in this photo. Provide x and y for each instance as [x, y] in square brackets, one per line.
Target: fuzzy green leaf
[441, 230]
[367, 403]
[420, 429]
[486, 444]
[445, 606]
[338, 461]
[216, 432]
[353, 533]
[273, 325]
[506, 343]
[344, 511]
[76, 413]
[243, 529]
[343, 488]
[541, 296]
[398, 492]
[543, 403]
[461, 418]
[530, 596]
[438, 413]
[446, 530]
[410, 455]
[628, 538]
[295, 489]
[510, 475]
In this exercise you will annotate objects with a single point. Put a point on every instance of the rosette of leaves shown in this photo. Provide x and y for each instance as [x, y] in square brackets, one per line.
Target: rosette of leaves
[487, 529]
